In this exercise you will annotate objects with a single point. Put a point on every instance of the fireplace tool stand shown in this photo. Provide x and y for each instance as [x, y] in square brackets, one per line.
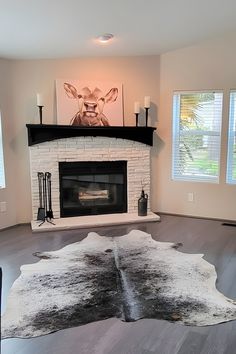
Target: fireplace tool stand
[47, 199]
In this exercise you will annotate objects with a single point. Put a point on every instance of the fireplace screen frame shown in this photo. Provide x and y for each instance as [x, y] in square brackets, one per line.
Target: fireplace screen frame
[99, 168]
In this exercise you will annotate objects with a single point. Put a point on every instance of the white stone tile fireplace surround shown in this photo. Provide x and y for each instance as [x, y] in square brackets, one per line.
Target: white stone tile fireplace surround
[45, 157]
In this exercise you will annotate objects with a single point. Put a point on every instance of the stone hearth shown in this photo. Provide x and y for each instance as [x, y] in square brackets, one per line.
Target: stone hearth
[93, 221]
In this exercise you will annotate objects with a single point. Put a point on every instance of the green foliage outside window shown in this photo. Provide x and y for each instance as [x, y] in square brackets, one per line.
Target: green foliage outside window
[194, 145]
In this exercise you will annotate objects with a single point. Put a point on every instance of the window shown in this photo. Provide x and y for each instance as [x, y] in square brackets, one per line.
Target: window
[197, 120]
[2, 174]
[231, 158]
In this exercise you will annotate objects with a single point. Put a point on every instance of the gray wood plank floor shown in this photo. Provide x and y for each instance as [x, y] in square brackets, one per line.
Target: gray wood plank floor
[216, 242]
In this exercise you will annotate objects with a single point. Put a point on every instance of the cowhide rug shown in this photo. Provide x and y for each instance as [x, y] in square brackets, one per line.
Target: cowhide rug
[128, 277]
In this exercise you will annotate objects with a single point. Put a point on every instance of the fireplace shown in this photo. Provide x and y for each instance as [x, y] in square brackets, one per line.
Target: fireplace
[92, 187]
[48, 156]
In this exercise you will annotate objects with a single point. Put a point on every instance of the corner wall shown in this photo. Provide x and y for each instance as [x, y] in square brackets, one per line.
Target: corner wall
[8, 194]
[210, 66]
[140, 77]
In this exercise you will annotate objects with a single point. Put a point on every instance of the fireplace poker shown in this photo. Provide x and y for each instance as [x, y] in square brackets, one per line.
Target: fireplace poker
[49, 195]
[45, 200]
[41, 211]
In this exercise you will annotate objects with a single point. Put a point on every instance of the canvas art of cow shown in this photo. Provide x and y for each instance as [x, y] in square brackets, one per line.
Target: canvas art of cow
[90, 105]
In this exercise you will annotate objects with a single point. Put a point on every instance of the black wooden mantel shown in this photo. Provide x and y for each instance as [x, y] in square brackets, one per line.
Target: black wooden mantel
[39, 133]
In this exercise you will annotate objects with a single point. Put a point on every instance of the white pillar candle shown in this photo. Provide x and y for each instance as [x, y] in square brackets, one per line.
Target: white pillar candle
[147, 101]
[136, 107]
[39, 99]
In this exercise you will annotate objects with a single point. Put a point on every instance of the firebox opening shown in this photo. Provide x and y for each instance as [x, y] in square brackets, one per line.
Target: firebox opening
[91, 188]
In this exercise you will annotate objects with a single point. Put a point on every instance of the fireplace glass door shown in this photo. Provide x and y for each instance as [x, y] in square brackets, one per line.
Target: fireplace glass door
[91, 188]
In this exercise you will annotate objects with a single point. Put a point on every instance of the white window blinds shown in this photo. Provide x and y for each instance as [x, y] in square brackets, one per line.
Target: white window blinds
[2, 174]
[231, 158]
[196, 142]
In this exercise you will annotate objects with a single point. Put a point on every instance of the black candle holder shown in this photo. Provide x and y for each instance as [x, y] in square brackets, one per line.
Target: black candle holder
[136, 115]
[146, 114]
[41, 114]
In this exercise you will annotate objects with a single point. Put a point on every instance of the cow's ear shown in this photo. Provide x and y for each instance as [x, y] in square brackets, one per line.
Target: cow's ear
[70, 90]
[111, 96]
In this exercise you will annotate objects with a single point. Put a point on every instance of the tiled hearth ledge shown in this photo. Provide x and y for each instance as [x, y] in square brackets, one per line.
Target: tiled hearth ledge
[93, 221]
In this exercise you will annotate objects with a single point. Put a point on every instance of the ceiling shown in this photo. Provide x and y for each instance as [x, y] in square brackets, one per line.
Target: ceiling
[36, 29]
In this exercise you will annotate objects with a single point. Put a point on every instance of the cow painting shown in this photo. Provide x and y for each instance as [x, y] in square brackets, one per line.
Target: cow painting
[90, 105]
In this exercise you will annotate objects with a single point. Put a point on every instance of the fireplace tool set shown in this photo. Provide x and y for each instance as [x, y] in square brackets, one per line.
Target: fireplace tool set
[45, 213]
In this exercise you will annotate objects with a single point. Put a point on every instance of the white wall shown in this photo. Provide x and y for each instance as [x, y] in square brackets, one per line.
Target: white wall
[8, 194]
[139, 75]
[210, 65]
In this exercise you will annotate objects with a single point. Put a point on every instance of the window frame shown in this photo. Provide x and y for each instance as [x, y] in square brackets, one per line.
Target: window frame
[231, 136]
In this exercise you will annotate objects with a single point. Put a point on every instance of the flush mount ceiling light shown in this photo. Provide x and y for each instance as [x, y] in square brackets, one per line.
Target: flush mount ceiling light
[104, 38]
